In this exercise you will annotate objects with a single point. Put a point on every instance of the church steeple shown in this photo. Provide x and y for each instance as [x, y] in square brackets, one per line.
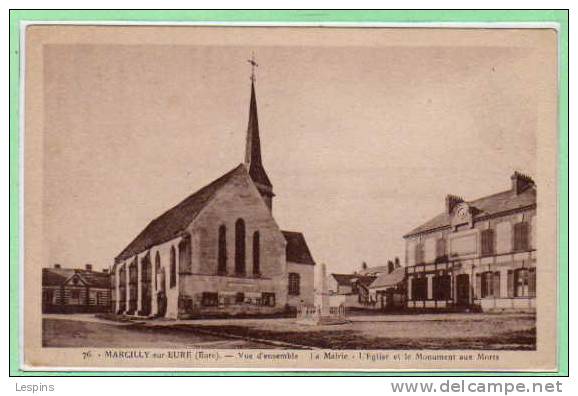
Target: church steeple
[253, 160]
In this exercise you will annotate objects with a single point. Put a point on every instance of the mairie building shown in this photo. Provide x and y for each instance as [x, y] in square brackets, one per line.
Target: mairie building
[219, 251]
[478, 254]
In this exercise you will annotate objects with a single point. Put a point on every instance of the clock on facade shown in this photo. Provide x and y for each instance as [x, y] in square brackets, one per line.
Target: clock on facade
[462, 211]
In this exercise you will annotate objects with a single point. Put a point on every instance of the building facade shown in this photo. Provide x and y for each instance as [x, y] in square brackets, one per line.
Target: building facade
[349, 290]
[388, 290]
[218, 252]
[67, 290]
[476, 255]
[300, 270]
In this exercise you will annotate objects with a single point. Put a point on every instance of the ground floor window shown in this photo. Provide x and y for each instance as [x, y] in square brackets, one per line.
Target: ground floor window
[442, 287]
[268, 299]
[294, 284]
[419, 289]
[489, 284]
[239, 298]
[99, 298]
[210, 299]
[523, 282]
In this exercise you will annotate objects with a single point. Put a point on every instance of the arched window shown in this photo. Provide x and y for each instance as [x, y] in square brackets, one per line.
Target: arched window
[240, 247]
[222, 253]
[173, 278]
[256, 254]
[294, 284]
[157, 269]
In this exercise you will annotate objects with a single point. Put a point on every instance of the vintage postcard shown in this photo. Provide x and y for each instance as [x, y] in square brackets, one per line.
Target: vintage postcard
[289, 198]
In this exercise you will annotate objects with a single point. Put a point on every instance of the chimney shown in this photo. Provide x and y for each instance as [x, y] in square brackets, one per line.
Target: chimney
[397, 264]
[57, 266]
[452, 201]
[390, 266]
[88, 267]
[521, 183]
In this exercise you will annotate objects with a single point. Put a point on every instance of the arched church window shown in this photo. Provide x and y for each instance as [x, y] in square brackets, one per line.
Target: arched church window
[173, 276]
[222, 253]
[157, 269]
[240, 247]
[256, 253]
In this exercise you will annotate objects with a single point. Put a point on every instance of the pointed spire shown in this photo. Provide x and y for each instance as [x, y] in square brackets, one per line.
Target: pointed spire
[253, 145]
[253, 160]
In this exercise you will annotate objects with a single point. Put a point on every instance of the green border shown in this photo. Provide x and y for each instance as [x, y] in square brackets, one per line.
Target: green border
[358, 16]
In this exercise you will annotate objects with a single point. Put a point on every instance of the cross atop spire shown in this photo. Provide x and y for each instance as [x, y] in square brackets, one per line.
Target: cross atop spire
[254, 64]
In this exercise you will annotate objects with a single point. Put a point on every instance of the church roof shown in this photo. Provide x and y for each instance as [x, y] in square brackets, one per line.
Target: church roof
[57, 277]
[174, 221]
[490, 205]
[297, 249]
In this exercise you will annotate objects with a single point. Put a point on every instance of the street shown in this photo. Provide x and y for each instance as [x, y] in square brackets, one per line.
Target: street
[427, 331]
[86, 331]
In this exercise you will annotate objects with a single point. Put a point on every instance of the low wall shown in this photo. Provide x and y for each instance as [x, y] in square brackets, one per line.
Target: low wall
[70, 309]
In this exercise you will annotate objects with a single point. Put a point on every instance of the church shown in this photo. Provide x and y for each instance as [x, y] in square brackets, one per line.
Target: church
[219, 252]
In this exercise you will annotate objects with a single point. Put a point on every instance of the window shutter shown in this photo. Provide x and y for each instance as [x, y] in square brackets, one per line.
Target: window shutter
[532, 282]
[440, 248]
[478, 291]
[521, 237]
[510, 283]
[497, 292]
[416, 253]
[524, 235]
[487, 242]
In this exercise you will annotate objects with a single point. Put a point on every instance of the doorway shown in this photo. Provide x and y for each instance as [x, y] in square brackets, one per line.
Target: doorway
[463, 290]
[161, 304]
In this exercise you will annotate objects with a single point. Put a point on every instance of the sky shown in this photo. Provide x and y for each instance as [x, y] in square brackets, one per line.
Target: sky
[361, 143]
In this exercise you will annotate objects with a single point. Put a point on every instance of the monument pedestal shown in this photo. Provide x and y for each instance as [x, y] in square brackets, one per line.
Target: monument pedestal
[321, 313]
[313, 316]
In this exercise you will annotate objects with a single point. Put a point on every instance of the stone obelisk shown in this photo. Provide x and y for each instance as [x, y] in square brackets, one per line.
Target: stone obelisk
[321, 293]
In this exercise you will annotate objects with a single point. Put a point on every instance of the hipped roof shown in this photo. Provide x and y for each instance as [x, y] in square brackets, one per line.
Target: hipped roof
[490, 205]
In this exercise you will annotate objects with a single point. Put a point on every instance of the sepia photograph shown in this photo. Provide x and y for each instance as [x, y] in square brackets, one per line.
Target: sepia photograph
[277, 197]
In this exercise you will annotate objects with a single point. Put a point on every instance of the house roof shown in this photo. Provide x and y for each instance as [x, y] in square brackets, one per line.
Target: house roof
[365, 280]
[174, 221]
[58, 276]
[347, 279]
[389, 280]
[297, 250]
[374, 270]
[486, 206]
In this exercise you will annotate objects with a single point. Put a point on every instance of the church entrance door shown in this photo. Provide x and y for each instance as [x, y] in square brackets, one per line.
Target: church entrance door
[161, 304]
